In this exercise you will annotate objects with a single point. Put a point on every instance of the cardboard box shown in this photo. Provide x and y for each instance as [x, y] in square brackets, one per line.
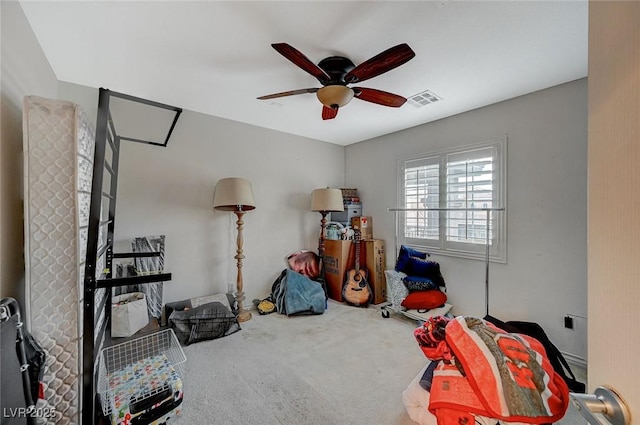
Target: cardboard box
[365, 224]
[339, 256]
[373, 254]
[344, 217]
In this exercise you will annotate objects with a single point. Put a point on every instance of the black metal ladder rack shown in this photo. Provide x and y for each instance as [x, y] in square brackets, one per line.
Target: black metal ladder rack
[98, 273]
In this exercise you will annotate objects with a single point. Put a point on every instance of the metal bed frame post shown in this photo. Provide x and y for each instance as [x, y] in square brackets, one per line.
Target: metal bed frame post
[89, 322]
[486, 265]
[98, 284]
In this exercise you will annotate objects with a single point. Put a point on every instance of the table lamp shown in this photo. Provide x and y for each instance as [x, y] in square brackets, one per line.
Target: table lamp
[324, 201]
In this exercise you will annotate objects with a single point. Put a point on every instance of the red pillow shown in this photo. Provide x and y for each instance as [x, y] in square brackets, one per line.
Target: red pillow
[425, 300]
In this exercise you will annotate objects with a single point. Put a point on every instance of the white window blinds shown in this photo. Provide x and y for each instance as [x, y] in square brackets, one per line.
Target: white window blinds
[455, 181]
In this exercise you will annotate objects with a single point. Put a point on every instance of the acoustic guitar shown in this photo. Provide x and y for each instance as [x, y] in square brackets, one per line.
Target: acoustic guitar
[356, 290]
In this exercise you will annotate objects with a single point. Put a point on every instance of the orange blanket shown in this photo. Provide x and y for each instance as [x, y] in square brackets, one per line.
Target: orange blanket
[486, 371]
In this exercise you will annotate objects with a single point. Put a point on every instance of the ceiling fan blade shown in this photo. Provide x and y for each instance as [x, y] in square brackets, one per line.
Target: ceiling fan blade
[301, 61]
[288, 93]
[378, 96]
[381, 63]
[329, 113]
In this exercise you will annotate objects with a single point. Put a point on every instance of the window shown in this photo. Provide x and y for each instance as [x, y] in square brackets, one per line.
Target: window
[442, 197]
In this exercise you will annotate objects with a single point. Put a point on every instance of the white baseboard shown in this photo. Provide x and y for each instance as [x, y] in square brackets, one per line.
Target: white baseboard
[576, 360]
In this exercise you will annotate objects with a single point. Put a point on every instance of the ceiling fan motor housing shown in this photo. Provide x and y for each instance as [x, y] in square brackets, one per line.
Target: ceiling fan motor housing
[336, 68]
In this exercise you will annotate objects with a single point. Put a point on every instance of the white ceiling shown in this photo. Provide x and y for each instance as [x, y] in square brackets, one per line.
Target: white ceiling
[215, 57]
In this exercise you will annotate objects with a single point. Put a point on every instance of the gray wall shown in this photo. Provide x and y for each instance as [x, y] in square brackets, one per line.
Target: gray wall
[25, 71]
[170, 191]
[546, 271]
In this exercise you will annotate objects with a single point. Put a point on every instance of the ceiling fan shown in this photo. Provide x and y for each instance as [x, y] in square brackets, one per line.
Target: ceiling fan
[336, 72]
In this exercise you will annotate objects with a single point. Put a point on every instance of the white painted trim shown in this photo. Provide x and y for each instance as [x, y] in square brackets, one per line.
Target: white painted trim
[573, 359]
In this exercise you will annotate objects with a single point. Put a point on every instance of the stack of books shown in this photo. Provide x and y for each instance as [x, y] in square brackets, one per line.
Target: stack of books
[350, 196]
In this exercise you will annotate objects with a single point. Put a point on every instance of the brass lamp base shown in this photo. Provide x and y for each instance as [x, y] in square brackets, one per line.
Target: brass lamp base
[244, 316]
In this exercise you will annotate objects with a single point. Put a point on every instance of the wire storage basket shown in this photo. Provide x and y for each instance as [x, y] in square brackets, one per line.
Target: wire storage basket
[141, 378]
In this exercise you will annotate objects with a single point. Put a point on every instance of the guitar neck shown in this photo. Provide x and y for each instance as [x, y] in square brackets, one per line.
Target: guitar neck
[357, 242]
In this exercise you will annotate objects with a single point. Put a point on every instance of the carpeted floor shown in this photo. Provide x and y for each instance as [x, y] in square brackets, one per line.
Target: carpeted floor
[347, 366]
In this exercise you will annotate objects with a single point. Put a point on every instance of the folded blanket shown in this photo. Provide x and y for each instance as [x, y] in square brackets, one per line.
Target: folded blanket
[488, 372]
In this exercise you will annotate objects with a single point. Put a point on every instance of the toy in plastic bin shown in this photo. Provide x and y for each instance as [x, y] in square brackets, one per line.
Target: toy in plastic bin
[347, 234]
[333, 230]
[338, 231]
[146, 392]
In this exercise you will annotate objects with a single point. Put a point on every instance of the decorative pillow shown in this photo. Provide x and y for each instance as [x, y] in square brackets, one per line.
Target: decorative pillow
[404, 255]
[425, 300]
[425, 268]
[417, 283]
[396, 289]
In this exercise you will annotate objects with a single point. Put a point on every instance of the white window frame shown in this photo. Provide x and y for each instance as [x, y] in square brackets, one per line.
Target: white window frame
[439, 244]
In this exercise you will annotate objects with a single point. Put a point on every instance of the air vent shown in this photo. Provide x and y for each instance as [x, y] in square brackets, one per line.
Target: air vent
[425, 98]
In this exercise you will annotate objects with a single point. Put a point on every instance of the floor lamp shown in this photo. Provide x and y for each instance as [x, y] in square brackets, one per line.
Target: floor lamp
[236, 195]
[325, 201]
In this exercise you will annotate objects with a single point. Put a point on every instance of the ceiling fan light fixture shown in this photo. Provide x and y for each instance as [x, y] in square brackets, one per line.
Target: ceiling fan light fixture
[335, 95]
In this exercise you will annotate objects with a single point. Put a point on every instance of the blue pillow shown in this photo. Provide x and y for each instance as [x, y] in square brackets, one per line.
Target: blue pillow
[404, 255]
[417, 283]
[425, 268]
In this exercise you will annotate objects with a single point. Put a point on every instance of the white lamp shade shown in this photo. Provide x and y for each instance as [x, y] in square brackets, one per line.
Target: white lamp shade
[233, 194]
[326, 200]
